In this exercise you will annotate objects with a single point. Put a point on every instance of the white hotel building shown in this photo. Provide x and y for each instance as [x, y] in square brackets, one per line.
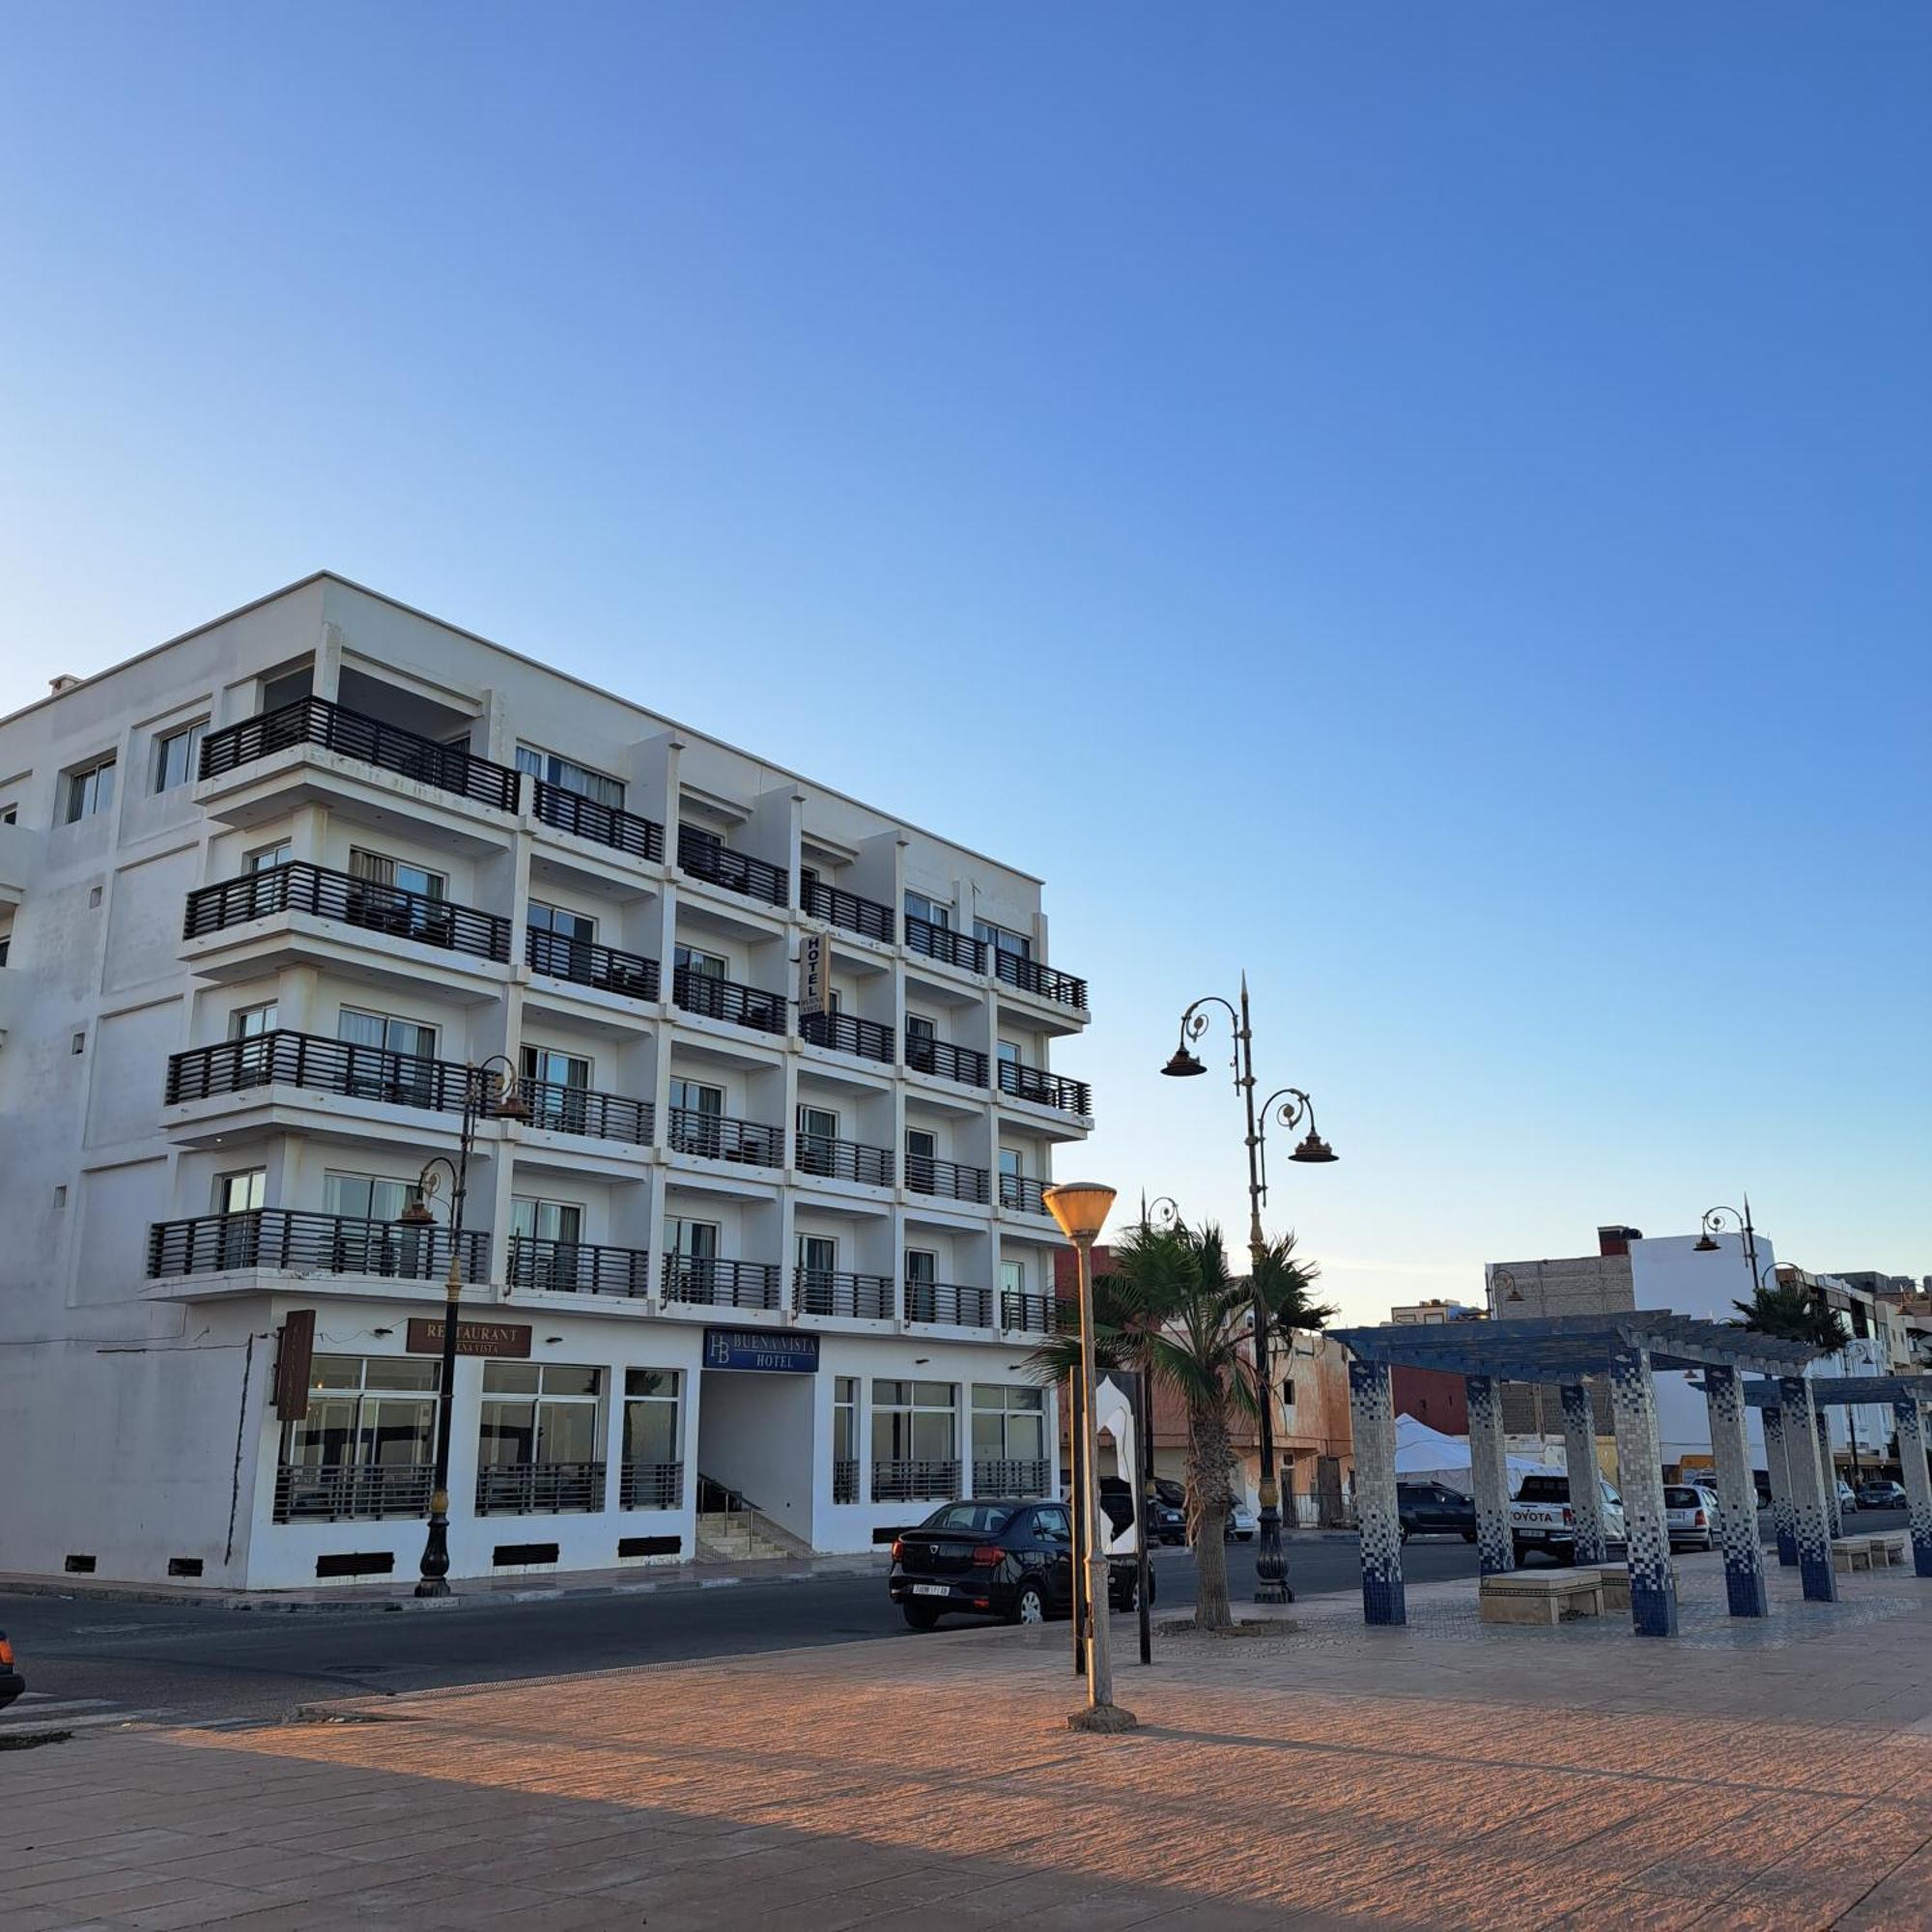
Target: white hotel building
[268, 893]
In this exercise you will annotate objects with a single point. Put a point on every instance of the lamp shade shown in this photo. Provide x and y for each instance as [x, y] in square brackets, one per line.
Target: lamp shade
[1080, 1207]
[1183, 1066]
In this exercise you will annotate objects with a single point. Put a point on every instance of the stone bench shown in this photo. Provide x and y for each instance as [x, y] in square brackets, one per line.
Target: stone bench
[1540, 1597]
[1876, 1550]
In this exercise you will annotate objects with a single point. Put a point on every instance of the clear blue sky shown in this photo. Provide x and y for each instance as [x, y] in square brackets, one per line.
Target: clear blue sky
[1428, 504]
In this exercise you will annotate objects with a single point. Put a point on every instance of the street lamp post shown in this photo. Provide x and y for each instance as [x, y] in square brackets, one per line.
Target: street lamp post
[505, 1104]
[1271, 1585]
[1080, 1207]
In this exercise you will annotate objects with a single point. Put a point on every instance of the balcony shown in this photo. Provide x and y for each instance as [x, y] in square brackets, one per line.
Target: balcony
[315, 721]
[327, 894]
[601, 824]
[583, 1110]
[650, 1486]
[585, 963]
[705, 856]
[834, 1291]
[842, 1032]
[914, 1482]
[322, 1065]
[1046, 1090]
[1013, 1476]
[346, 1491]
[842, 1160]
[726, 1000]
[950, 1303]
[1024, 1314]
[708, 1283]
[941, 942]
[846, 910]
[1027, 1196]
[719, 1136]
[539, 1488]
[1031, 977]
[846, 1480]
[949, 1179]
[283, 1237]
[940, 1057]
[577, 1267]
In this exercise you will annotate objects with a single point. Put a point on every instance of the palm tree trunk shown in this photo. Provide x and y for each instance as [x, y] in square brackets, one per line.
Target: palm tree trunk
[1207, 1456]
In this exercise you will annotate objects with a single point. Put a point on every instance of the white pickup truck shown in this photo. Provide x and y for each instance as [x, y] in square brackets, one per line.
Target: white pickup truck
[1541, 1517]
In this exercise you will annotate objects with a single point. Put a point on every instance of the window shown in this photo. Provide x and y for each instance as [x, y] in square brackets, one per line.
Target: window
[6, 945]
[373, 1415]
[177, 755]
[9, 815]
[922, 1148]
[555, 1085]
[817, 1138]
[1009, 1426]
[1010, 1054]
[693, 1241]
[88, 790]
[364, 1197]
[568, 776]
[290, 688]
[268, 857]
[922, 1265]
[652, 1466]
[544, 1239]
[694, 1097]
[387, 1032]
[566, 925]
[252, 1022]
[552, 1066]
[540, 1439]
[1012, 1162]
[78, 1044]
[913, 1422]
[1013, 1277]
[531, 1219]
[1002, 939]
[404, 875]
[920, 1034]
[845, 1439]
[919, 906]
[707, 965]
[241, 1191]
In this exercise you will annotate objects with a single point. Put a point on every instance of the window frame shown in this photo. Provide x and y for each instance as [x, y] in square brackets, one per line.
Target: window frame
[82, 795]
[189, 737]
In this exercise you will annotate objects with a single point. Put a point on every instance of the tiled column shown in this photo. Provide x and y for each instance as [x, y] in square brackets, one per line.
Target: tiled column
[1808, 1522]
[1372, 1413]
[1829, 1469]
[1579, 1459]
[1488, 1469]
[1653, 1579]
[1737, 1495]
[1910, 1420]
[1780, 1486]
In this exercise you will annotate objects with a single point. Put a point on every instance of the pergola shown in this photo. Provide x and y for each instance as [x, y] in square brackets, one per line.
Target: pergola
[1565, 1349]
[1783, 1400]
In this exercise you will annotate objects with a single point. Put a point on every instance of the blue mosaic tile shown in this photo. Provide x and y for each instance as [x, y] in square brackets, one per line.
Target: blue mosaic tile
[1737, 1495]
[1653, 1576]
[1781, 1488]
[1489, 1472]
[1579, 1455]
[1809, 1523]
[1909, 1419]
[1372, 1413]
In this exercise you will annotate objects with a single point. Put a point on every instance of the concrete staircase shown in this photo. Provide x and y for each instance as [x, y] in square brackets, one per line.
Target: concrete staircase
[744, 1536]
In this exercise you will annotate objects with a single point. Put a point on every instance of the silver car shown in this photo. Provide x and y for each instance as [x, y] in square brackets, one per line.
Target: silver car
[1692, 1515]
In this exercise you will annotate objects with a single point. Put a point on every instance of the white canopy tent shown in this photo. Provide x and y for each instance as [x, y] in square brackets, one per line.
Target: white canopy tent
[1425, 1455]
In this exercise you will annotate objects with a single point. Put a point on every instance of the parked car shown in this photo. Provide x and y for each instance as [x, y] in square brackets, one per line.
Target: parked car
[1847, 1501]
[1010, 1559]
[1880, 1494]
[1553, 1486]
[1243, 1522]
[1435, 1509]
[12, 1683]
[1167, 1521]
[1691, 1514]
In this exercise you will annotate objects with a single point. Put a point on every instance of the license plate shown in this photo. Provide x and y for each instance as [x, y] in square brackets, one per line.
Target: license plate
[931, 1590]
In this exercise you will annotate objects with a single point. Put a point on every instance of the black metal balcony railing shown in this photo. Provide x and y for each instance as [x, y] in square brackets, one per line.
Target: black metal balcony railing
[585, 963]
[719, 1136]
[706, 857]
[951, 1302]
[914, 1482]
[1031, 977]
[337, 1492]
[1012, 1476]
[1027, 1314]
[941, 942]
[650, 1486]
[583, 1110]
[283, 1237]
[721, 1284]
[838, 907]
[325, 1066]
[315, 721]
[846, 1480]
[834, 1291]
[844, 1032]
[720, 999]
[317, 890]
[539, 1488]
[578, 1267]
[602, 824]
[963, 1064]
[1046, 1090]
[950, 1180]
[1017, 1191]
[842, 1160]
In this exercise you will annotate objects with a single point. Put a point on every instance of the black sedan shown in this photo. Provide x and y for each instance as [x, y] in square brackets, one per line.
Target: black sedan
[1435, 1509]
[1010, 1559]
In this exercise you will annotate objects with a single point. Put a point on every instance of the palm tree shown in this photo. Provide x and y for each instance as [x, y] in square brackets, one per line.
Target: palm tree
[1168, 1304]
[1287, 1287]
[1788, 1309]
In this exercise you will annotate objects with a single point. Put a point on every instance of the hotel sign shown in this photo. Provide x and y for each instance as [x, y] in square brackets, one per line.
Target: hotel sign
[761, 1349]
[814, 973]
[500, 1339]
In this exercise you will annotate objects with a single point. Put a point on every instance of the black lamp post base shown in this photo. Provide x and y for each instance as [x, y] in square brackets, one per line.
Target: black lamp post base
[432, 1586]
[1271, 1569]
[435, 1564]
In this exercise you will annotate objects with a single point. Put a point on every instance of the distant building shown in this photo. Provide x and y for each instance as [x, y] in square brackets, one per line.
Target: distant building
[1425, 1314]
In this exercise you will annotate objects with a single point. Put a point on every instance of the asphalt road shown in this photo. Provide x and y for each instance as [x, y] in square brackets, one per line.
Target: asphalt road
[91, 1662]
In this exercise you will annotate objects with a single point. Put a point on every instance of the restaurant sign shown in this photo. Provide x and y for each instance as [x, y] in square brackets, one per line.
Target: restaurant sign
[500, 1338]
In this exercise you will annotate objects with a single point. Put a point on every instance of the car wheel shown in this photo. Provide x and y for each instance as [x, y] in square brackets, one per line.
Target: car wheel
[1469, 1536]
[921, 1616]
[1030, 1605]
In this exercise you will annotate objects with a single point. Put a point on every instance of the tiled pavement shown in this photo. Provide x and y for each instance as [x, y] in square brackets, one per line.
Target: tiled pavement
[1446, 1774]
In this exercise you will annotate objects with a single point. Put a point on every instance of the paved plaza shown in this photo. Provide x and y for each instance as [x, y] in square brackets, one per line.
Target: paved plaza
[1446, 1774]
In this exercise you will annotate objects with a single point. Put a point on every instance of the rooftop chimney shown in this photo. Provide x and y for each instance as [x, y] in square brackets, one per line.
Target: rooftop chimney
[66, 681]
[1616, 1240]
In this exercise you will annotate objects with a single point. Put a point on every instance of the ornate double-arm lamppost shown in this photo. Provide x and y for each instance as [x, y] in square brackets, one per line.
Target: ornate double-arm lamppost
[1289, 1106]
[1716, 1221]
[482, 1094]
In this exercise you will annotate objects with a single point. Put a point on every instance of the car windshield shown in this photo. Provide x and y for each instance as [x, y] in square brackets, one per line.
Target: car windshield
[969, 1519]
[1681, 1498]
